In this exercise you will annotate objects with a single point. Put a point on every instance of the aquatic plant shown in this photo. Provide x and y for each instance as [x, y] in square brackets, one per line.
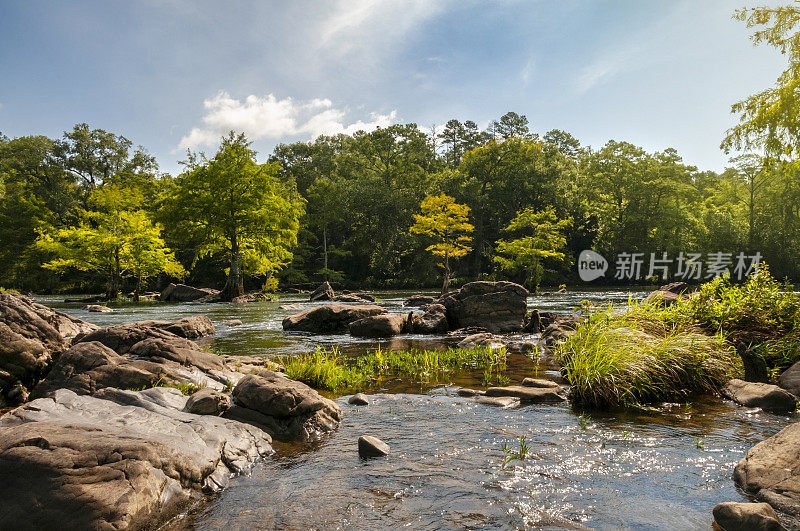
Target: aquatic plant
[510, 454]
[187, 388]
[323, 369]
[624, 359]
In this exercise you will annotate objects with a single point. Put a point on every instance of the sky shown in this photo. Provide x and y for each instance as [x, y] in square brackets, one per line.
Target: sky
[172, 75]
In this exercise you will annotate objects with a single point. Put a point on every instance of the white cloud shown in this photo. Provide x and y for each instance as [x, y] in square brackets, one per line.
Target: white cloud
[272, 118]
[601, 71]
[527, 72]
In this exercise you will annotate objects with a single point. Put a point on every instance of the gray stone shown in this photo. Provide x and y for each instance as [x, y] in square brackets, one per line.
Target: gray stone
[499, 401]
[476, 340]
[329, 318]
[324, 292]
[529, 394]
[81, 462]
[790, 379]
[540, 382]
[559, 329]
[184, 293]
[465, 391]
[765, 396]
[384, 325]
[233, 322]
[433, 321]
[770, 471]
[189, 327]
[98, 308]
[286, 409]
[669, 293]
[208, 402]
[496, 306]
[369, 446]
[358, 399]
[739, 516]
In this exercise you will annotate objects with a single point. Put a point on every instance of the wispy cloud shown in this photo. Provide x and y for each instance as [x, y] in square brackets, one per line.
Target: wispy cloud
[601, 70]
[267, 117]
[527, 72]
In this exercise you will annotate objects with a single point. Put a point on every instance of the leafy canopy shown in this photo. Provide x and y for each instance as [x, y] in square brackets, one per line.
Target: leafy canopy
[446, 221]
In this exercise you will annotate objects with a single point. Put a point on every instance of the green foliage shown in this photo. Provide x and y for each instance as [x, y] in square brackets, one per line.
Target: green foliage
[510, 454]
[187, 388]
[616, 360]
[324, 370]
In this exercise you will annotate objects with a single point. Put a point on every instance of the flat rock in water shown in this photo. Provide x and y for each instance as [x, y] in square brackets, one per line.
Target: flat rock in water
[765, 396]
[770, 471]
[369, 446]
[189, 327]
[81, 462]
[358, 399]
[233, 322]
[291, 307]
[529, 394]
[465, 391]
[384, 325]
[740, 516]
[329, 318]
[540, 382]
[483, 339]
[286, 409]
[97, 308]
[498, 401]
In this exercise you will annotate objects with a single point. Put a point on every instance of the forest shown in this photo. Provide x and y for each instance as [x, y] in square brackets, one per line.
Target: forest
[89, 211]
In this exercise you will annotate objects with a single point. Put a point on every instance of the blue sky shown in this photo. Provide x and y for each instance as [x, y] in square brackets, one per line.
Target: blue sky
[171, 74]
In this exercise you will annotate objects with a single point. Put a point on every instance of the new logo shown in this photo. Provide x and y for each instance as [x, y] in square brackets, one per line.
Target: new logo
[591, 265]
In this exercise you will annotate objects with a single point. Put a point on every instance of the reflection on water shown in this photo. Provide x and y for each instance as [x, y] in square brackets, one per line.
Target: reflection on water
[658, 468]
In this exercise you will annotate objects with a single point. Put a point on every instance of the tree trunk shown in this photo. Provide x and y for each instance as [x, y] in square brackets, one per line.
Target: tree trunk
[325, 250]
[138, 288]
[113, 285]
[446, 284]
[234, 287]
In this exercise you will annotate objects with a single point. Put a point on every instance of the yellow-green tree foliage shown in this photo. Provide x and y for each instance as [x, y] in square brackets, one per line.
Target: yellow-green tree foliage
[541, 238]
[446, 222]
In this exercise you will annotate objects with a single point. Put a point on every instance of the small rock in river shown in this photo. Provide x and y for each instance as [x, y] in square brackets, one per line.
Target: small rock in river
[738, 516]
[498, 401]
[98, 308]
[466, 391]
[529, 394]
[233, 322]
[540, 382]
[369, 446]
[358, 399]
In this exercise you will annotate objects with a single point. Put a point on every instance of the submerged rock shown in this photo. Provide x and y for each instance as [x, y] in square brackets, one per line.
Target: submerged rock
[329, 318]
[234, 322]
[324, 292]
[433, 321]
[286, 409]
[81, 462]
[483, 339]
[184, 293]
[765, 396]
[530, 394]
[771, 470]
[496, 306]
[384, 325]
[358, 399]
[738, 516]
[369, 446]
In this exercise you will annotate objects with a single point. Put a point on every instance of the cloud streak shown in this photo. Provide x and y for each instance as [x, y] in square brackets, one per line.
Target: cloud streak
[267, 117]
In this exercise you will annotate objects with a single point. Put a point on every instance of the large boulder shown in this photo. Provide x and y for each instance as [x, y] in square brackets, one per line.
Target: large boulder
[120, 338]
[286, 409]
[125, 460]
[329, 318]
[384, 325]
[496, 306]
[766, 396]
[184, 293]
[433, 321]
[740, 516]
[31, 336]
[559, 328]
[324, 292]
[790, 379]
[771, 470]
[189, 327]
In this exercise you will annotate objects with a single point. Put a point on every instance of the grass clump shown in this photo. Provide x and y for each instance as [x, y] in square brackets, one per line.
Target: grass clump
[323, 369]
[616, 360]
[187, 388]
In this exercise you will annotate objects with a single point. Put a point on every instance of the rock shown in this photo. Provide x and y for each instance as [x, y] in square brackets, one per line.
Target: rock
[497, 306]
[558, 330]
[419, 300]
[520, 347]
[31, 336]
[770, 472]
[97, 308]
[208, 402]
[369, 446]
[755, 367]
[358, 399]
[465, 391]
[184, 293]
[476, 340]
[668, 293]
[530, 394]
[738, 516]
[433, 321]
[540, 382]
[384, 325]
[329, 318]
[324, 292]
[233, 322]
[81, 462]
[121, 338]
[500, 401]
[351, 298]
[286, 409]
[188, 327]
[765, 396]
[790, 379]
[293, 307]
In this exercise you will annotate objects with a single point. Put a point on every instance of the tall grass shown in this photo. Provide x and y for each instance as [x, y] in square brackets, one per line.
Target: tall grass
[328, 370]
[614, 360]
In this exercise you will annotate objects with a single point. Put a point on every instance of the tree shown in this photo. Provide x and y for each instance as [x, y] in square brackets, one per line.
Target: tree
[115, 240]
[545, 241]
[446, 221]
[770, 119]
[751, 169]
[511, 125]
[236, 206]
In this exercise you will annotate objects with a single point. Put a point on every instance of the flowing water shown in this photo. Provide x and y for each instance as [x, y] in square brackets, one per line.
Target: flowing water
[663, 467]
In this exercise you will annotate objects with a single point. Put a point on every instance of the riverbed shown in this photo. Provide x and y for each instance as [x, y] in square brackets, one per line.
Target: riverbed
[663, 467]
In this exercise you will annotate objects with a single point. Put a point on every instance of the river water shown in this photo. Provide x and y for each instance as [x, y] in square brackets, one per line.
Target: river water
[663, 467]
